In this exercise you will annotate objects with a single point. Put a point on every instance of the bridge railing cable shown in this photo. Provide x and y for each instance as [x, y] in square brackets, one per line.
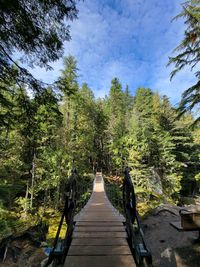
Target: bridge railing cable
[136, 239]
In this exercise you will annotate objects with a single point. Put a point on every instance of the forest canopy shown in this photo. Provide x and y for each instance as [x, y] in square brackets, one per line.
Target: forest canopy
[36, 30]
[43, 137]
[188, 53]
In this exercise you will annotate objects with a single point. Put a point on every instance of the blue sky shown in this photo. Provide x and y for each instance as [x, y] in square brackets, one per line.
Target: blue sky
[128, 39]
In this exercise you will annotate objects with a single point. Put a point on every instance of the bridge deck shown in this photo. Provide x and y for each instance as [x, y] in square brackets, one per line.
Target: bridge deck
[99, 238]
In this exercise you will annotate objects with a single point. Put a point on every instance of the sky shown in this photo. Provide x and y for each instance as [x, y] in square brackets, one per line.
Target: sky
[128, 39]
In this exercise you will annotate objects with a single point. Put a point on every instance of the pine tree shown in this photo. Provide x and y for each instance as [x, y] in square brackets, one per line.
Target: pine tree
[116, 110]
[155, 168]
[37, 30]
[68, 86]
[189, 53]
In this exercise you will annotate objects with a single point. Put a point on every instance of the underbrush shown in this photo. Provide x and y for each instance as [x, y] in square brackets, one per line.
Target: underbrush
[146, 201]
[14, 219]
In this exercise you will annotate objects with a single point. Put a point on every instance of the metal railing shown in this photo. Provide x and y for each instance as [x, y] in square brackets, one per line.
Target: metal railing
[136, 240]
[73, 193]
[135, 234]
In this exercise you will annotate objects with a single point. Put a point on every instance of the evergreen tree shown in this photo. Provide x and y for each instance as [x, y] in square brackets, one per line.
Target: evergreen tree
[44, 135]
[68, 85]
[116, 110]
[189, 53]
[152, 145]
[37, 30]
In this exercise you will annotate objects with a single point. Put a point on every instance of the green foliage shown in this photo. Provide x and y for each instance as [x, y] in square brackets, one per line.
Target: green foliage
[114, 193]
[37, 30]
[117, 110]
[4, 225]
[45, 135]
[188, 53]
[156, 145]
[67, 83]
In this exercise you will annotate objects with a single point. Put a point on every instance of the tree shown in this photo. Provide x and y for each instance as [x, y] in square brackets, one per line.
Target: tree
[47, 164]
[67, 82]
[36, 29]
[158, 144]
[116, 110]
[84, 128]
[101, 154]
[189, 53]
[68, 85]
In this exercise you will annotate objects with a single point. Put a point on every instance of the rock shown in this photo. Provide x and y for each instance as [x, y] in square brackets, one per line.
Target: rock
[166, 208]
[162, 239]
[166, 253]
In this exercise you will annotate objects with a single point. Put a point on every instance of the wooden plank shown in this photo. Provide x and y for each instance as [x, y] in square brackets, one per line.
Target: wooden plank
[99, 210]
[100, 261]
[99, 238]
[99, 250]
[190, 220]
[99, 241]
[99, 219]
[101, 214]
[99, 223]
[99, 229]
[100, 234]
[96, 213]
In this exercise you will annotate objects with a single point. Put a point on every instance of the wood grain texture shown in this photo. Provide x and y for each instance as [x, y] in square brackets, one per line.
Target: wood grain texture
[99, 238]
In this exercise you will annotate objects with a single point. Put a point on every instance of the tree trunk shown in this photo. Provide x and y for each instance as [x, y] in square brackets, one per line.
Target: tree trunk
[32, 180]
[26, 199]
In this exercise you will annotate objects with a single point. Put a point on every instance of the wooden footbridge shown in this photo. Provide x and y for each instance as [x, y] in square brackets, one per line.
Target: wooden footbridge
[99, 236]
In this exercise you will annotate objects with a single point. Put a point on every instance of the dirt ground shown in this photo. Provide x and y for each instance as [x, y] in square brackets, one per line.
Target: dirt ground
[169, 247]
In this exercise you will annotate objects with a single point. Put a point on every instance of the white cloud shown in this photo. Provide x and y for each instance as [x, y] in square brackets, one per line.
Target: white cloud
[128, 39]
[174, 88]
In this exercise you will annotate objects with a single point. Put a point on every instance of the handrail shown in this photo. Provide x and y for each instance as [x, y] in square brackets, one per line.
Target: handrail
[136, 240]
[59, 251]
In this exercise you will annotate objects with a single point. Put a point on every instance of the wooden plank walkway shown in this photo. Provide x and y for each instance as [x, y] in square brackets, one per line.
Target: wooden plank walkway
[99, 238]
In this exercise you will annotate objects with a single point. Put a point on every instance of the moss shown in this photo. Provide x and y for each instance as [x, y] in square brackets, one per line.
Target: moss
[53, 227]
